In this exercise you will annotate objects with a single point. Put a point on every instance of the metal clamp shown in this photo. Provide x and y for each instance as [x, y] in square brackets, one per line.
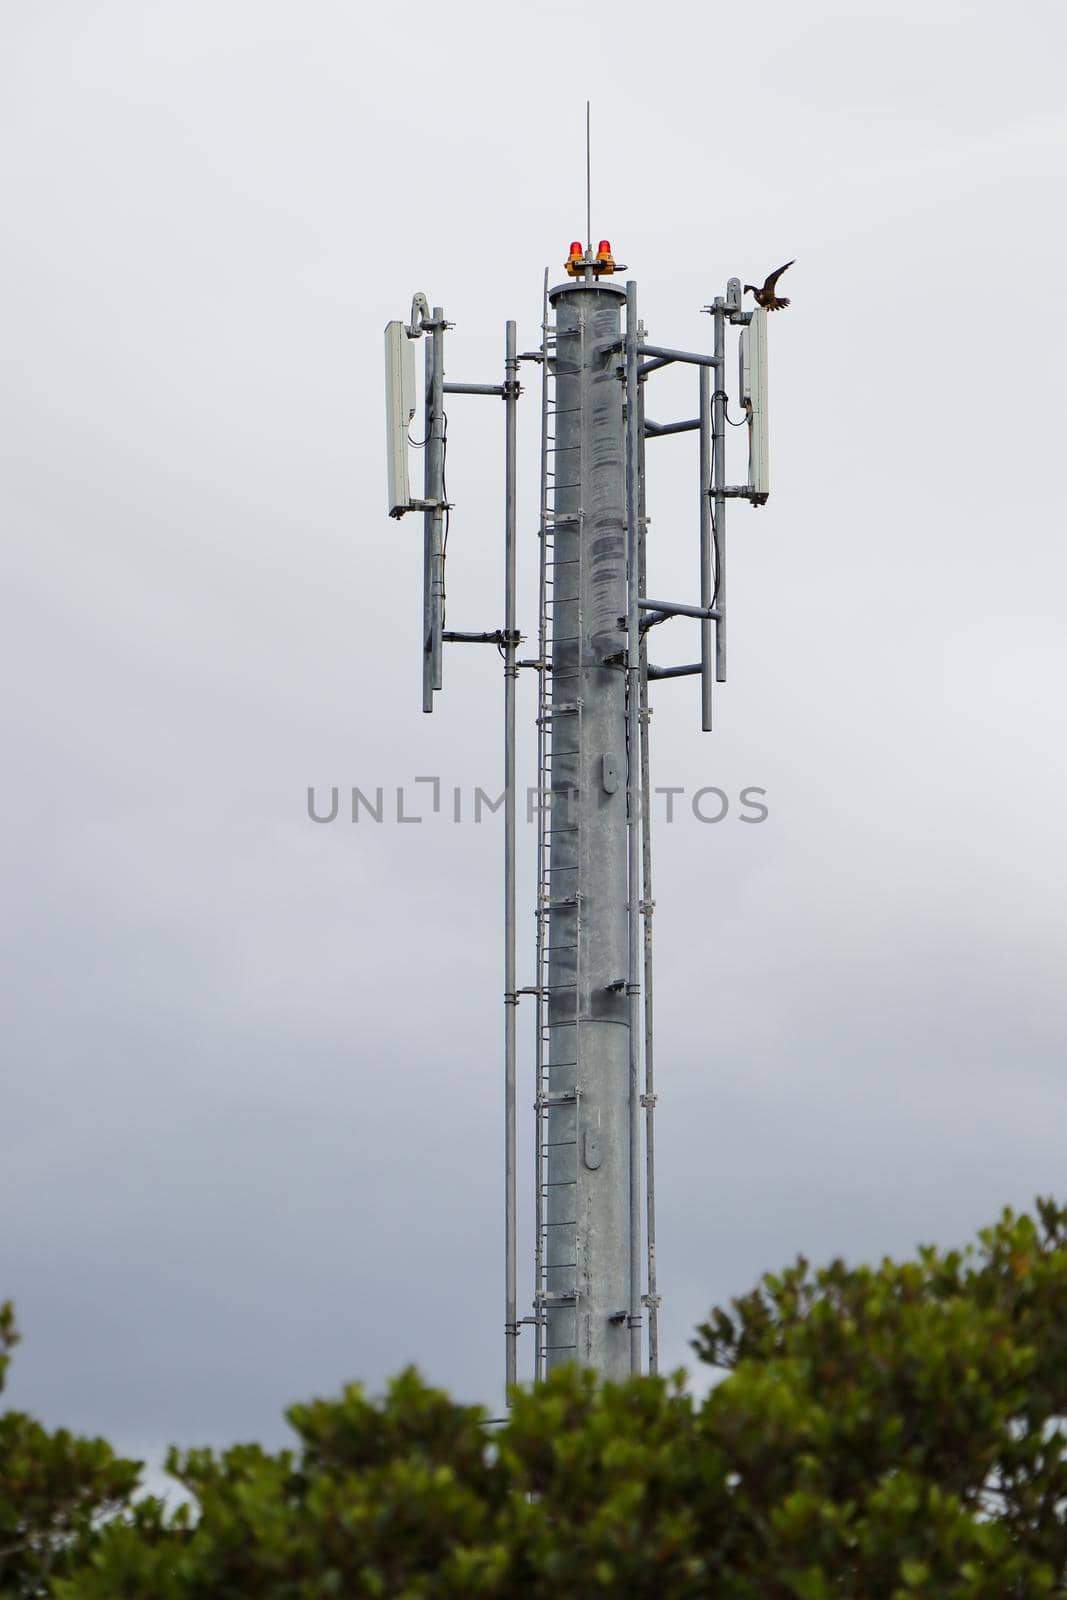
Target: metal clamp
[420, 317]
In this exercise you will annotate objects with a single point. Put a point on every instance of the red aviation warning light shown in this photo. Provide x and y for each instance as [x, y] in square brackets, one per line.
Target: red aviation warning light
[580, 261]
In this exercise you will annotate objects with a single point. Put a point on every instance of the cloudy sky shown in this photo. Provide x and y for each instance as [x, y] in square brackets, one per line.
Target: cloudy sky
[250, 1143]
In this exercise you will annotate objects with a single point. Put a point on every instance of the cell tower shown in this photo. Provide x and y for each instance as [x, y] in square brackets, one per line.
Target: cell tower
[594, 1268]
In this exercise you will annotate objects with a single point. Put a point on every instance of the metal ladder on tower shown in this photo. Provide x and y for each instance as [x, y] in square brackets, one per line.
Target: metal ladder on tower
[558, 706]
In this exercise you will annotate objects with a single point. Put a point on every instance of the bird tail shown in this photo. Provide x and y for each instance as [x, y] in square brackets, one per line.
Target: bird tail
[777, 303]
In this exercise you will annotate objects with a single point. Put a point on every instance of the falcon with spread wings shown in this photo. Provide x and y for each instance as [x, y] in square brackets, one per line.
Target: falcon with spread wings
[766, 296]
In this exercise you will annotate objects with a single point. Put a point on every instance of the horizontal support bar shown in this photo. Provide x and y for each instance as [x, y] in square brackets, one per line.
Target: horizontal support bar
[421, 505]
[652, 366]
[499, 637]
[672, 608]
[690, 671]
[476, 388]
[653, 429]
[661, 353]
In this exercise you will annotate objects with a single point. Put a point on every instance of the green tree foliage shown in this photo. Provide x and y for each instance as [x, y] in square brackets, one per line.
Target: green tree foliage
[55, 1490]
[879, 1433]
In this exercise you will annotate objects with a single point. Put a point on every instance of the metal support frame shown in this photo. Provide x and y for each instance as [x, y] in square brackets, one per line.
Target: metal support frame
[648, 1099]
[498, 389]
[435, 636]
[707, 576]
[434, 516]
[675, 608]
[654, 430]
[511, 998]
[663, 356]
[541, 921]
[633, 738]
[498, 636]
[718, 463]
[690, 670]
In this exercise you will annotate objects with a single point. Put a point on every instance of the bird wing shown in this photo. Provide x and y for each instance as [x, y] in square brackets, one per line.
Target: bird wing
[772, 278]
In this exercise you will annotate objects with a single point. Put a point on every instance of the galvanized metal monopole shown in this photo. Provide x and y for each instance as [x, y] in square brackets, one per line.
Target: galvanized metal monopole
[585, 1296]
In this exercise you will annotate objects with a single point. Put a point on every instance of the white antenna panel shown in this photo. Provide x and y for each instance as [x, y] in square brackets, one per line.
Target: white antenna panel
[399, 411]
[754, 399]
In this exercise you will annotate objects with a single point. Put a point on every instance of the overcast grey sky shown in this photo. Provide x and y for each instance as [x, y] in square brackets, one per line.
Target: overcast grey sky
[251, 1133]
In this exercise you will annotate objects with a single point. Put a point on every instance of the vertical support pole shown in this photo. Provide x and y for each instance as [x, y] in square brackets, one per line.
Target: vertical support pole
[435, 464]
[647, 907]
[633, 738]
[541, 1051]
[718, 414]
[511, 999]
[706, 565]
[427, 525]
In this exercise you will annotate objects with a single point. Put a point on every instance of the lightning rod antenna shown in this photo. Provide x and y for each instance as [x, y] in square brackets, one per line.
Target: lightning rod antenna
[588, 185]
